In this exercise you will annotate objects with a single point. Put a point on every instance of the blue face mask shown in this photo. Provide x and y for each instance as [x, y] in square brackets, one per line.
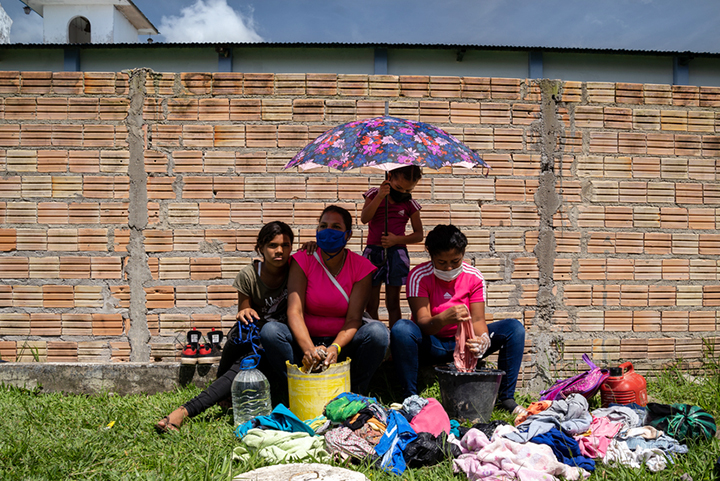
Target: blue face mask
[331, 240]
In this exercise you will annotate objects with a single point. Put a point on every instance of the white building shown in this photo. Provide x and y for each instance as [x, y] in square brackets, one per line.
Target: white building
[91, 21]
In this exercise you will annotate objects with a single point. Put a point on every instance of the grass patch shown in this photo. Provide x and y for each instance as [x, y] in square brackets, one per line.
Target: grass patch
[52, 436]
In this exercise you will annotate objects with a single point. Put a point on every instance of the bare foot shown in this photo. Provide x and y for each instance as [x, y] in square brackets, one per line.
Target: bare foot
[173, 421]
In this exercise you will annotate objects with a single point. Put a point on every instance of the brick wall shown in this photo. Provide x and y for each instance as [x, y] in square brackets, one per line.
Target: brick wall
[129, 201]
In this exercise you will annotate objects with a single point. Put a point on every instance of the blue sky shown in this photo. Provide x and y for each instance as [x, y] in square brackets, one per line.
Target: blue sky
[665, 25]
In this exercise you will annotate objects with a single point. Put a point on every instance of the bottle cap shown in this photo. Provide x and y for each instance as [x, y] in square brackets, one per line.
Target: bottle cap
[615, 371]
[250, 362]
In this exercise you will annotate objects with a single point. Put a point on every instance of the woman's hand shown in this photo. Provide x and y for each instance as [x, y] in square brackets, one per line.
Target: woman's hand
[313, 357]
[309, 247]
[248, 315]
[478, 346]
[332, 355]
[457, 314]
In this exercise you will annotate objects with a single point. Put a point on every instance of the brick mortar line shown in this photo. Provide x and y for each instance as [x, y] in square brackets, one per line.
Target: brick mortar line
[548, 201]
[137, 268]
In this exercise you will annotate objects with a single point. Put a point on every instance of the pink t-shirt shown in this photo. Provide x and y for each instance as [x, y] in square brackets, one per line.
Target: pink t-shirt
[325, 306]
[398, 217]
[467, 288]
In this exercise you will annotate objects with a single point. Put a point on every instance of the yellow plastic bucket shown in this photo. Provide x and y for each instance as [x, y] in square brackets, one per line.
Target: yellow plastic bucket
[309, 393]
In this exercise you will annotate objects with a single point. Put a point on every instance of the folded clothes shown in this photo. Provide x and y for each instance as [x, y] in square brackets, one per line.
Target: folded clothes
[281, 446]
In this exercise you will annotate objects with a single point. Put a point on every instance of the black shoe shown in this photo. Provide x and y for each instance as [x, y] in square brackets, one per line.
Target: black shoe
[210, 351]
[215, 338]
[192, 348]
[208, 354]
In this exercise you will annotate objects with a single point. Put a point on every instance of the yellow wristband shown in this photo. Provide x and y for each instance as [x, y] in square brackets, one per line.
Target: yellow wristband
[336, 345]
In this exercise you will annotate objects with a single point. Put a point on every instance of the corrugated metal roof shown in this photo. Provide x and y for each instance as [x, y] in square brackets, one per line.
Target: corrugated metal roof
[156, 45]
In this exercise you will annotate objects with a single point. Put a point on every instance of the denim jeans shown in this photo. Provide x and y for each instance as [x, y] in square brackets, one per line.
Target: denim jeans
[367, 351]
[410, 347]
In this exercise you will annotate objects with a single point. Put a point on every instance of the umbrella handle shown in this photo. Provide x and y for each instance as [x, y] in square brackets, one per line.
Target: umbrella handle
[387, 203]
[387, 209]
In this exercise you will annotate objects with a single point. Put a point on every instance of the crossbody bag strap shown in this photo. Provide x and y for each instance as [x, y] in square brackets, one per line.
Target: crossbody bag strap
[332, 278]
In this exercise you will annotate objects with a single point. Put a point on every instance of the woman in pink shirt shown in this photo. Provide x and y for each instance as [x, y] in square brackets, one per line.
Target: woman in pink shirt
[443, 293]
[327, 295]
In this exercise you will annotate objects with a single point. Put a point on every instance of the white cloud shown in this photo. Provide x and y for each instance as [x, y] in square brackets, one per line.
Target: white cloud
[209, 21]
[27, 29]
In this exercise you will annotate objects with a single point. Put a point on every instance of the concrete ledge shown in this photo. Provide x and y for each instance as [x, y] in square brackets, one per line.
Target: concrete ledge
[120, 378]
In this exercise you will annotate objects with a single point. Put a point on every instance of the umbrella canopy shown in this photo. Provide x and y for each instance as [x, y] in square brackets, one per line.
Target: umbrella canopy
[386, 143]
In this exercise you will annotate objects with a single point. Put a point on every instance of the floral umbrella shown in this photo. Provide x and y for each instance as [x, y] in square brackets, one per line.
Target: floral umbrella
[386, 143]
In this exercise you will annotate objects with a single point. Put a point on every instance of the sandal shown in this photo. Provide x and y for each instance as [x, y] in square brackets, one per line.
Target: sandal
[164, 425]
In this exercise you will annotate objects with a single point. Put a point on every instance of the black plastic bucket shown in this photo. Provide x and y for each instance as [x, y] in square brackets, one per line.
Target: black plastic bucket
[469, 396]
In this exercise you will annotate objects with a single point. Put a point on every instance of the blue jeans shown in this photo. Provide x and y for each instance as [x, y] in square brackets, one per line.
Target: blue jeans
[367, 351]
[410, 347]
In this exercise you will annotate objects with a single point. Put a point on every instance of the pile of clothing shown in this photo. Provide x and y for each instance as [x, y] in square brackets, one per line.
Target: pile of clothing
[563, 438]
[416, 433]
[555, 439]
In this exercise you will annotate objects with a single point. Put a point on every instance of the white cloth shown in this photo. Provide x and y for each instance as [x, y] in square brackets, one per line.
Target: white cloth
[619, 452]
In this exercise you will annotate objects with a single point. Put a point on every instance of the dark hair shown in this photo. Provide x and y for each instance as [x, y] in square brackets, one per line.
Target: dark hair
[347, 218]
[444, 238]
[412, 173]
[269, 231]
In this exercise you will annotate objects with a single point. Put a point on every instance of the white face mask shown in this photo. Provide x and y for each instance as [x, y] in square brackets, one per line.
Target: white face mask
[450, 275]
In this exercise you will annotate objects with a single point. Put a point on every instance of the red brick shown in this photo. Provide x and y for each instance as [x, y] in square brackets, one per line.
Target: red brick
[113, 108]
[107, 325]
[259, 83]
[196, 83]
[321, 84]
[227, 83]
[183, 109]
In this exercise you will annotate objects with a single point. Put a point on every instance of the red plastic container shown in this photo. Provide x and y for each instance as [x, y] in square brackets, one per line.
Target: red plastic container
[623, 386]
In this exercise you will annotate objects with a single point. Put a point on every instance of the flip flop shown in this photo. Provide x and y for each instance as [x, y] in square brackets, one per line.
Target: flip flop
[167, 427]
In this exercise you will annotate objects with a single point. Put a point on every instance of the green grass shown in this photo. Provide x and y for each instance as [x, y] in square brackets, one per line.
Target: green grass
[56, 436]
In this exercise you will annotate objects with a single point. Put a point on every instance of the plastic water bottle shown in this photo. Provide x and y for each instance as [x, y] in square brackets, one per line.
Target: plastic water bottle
[250, 392]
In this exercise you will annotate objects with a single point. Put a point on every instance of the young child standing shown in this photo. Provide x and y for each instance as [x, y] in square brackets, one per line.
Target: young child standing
[393, 271]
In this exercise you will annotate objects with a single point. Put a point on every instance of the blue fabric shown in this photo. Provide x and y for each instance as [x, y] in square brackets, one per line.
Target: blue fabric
[665, 443]
[410, 347]
[565, 448]
[455, 428]
[392, 270]
[352, 397]
[397, 436]
[280, 419]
